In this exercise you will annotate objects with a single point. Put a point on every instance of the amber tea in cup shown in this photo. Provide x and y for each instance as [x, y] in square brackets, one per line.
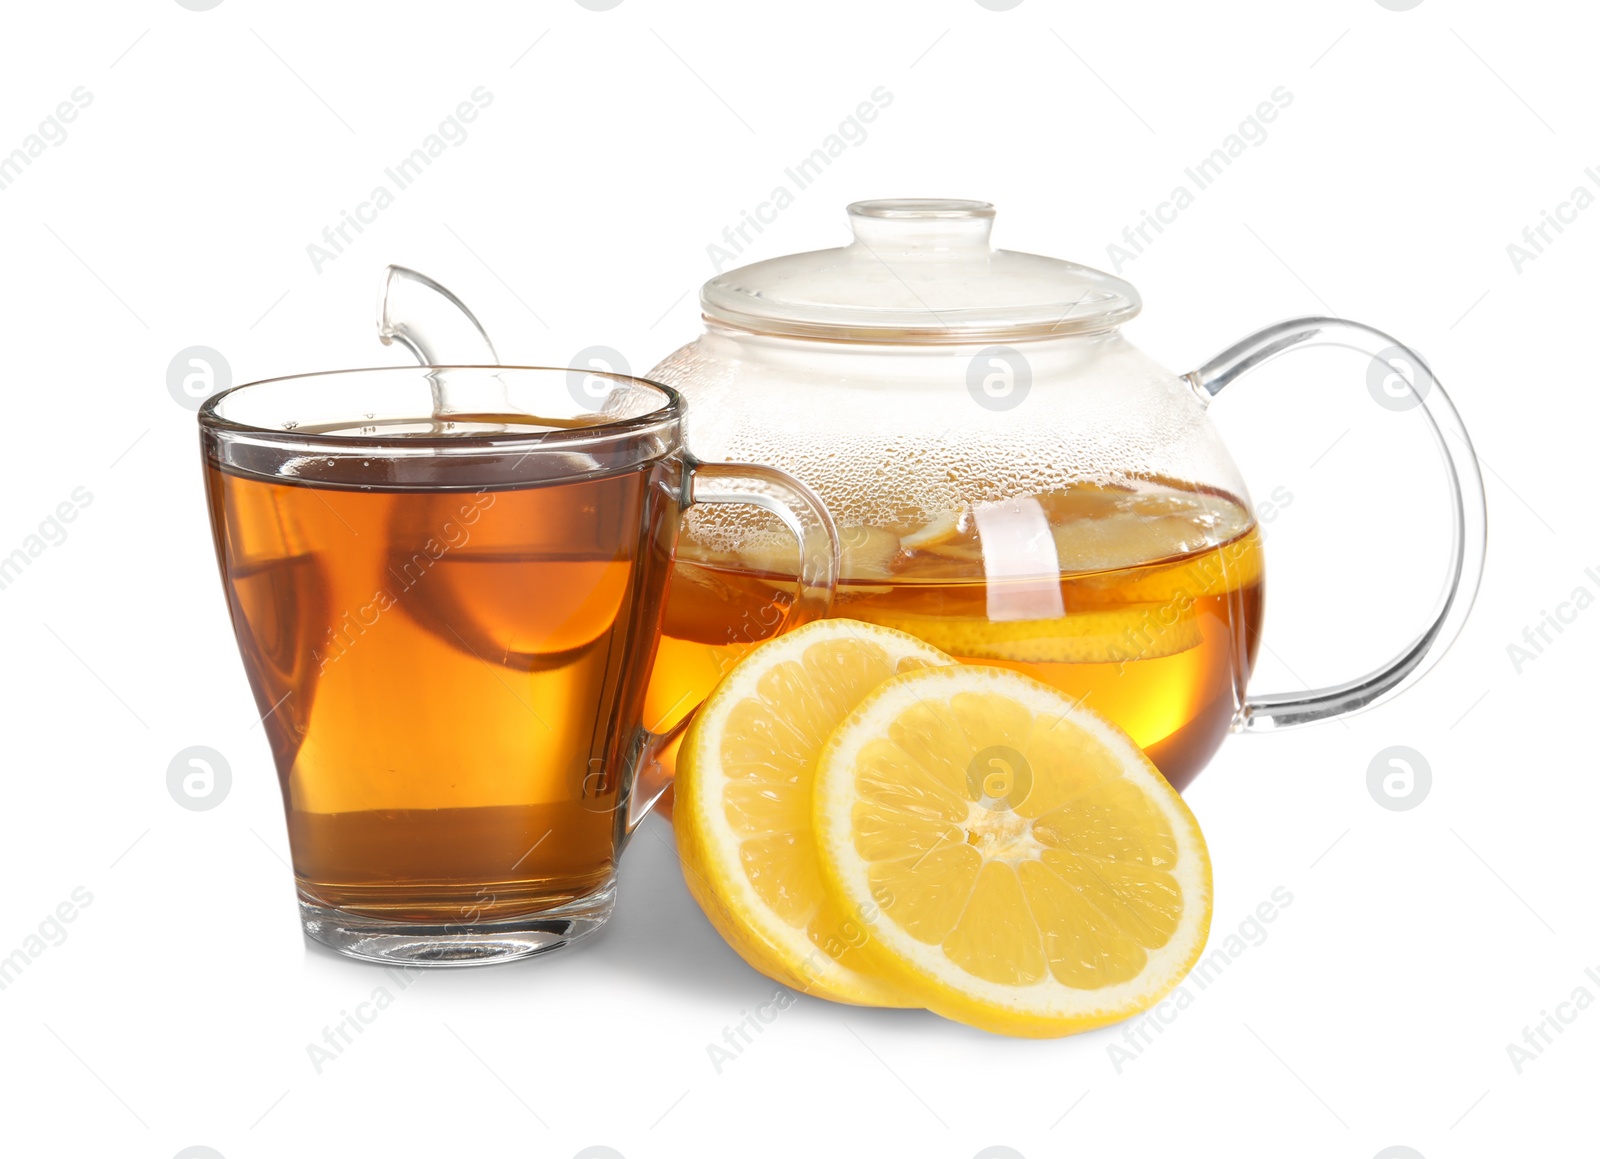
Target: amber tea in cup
[448, 617]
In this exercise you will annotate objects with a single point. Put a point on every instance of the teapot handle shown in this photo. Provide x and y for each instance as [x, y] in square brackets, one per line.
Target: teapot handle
[1405, 368]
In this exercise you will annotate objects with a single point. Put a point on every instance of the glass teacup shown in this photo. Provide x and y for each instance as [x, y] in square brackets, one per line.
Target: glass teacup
[447, 586]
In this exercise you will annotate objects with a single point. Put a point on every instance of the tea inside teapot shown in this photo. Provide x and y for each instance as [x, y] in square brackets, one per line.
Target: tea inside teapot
[1144, 601]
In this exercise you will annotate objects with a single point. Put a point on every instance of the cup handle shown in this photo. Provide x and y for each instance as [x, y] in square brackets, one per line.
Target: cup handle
[1422, 392]
[808, 521]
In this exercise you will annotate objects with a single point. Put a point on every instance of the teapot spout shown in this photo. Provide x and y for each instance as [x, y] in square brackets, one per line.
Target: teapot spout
[431, 322]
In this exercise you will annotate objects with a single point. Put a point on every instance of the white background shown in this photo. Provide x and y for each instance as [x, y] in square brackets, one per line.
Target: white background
[1377, 1010]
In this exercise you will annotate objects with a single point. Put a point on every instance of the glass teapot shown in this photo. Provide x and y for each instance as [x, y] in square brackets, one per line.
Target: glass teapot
[1012, 479]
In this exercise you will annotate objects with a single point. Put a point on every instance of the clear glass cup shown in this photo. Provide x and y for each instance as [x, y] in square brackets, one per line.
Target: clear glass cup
[447, 585]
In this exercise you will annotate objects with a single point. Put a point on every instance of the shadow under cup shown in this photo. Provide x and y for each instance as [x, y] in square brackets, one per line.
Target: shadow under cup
[446, 585]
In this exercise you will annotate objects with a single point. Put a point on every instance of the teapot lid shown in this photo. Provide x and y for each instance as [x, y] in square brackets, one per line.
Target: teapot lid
[920, 270]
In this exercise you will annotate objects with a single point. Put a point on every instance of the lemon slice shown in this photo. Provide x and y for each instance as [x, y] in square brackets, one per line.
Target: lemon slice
[936, 532]
[865, 553]
[1104, 637]
[743, 801]
[1016, 861]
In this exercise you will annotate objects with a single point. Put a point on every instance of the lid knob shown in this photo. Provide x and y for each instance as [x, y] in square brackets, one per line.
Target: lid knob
[921, 224]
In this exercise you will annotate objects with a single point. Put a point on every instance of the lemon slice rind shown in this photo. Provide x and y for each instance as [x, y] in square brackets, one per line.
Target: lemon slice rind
[1099, 637]
[709, 845]
[1047, 1008]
